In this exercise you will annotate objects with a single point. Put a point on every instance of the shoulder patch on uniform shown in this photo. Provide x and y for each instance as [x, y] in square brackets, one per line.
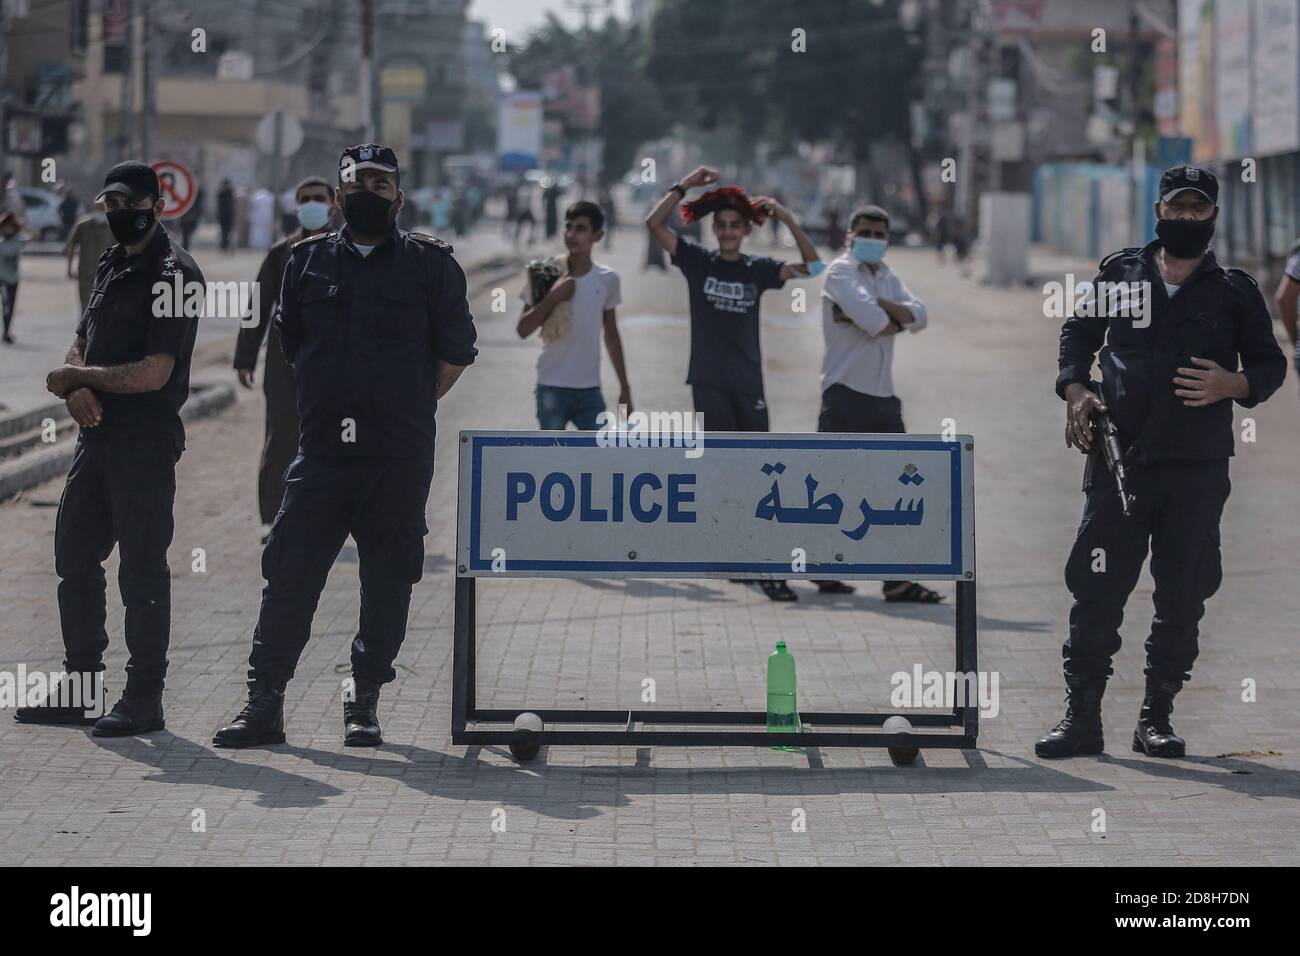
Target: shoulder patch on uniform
[1128, 251]
[170, 267]
[310, 239]
[428, 240]
[1242, 274]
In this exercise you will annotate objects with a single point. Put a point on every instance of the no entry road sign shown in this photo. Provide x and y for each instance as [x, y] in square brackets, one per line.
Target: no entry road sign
[179, 188]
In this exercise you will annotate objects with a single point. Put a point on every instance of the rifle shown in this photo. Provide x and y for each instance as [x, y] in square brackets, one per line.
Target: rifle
[1106, 438]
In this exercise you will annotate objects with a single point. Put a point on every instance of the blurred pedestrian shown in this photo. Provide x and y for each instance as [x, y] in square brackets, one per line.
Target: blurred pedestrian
[225, 212]
[315, 207]
[551, 207]
[11, 248]
[726, 366]
[193, 216]
[11, 200]
[288, 205]
[261, 219]
[1287, 298]
[512, 210]
[524, 204]
[834, 235]
[864, 305]
[69, 205]
[611, 216]
[90, 239]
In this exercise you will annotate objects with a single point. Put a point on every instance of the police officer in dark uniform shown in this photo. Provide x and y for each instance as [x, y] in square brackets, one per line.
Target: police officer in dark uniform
[377, 328]
[1168, 379]
[125, 380]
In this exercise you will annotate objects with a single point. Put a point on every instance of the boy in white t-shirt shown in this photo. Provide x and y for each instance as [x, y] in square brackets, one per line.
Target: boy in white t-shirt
[568, 370]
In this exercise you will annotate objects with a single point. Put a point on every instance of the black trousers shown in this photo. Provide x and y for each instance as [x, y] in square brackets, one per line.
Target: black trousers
[380, 502]
[9, 292]
[117, 492]
[844, 410]
[281, 443]
[729, 411]
[1176, 513]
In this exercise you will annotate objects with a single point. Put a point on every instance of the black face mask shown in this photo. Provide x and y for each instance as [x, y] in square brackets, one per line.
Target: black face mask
[130, 225]
[366, 213]
[1185, 238]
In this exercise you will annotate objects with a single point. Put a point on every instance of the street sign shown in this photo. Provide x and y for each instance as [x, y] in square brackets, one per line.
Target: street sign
[874, 507]
[290, 138]
[179, 188]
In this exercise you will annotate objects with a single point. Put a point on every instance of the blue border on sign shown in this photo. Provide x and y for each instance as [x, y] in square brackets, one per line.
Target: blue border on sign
[588, 439]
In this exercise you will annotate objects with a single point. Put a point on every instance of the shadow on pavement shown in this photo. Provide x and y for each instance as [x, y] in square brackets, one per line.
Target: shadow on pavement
[183, 761]
[1235, 775]
[567, 793]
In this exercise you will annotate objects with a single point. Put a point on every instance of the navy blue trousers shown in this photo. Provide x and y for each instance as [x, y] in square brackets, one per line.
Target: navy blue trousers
[1175, 515]
[380, 502]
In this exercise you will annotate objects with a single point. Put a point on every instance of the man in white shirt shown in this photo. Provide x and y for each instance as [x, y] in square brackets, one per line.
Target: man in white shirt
[864, 305]
[568, 370]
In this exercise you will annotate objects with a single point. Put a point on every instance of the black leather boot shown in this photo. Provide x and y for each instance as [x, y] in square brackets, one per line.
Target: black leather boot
[1154, 736]
[260, 722]
[56, 707]
[135, 713]
[1079, 732]
[360, 717]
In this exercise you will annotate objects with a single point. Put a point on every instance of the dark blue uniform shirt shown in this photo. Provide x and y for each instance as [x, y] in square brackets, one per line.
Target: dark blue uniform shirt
[1217, 314]
[364, 335]
[127, 320]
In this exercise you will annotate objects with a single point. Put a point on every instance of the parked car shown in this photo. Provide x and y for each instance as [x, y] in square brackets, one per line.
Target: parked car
[42, 213]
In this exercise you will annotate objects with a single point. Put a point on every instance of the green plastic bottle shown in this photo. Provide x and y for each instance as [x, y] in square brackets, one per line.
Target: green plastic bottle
[782, 715]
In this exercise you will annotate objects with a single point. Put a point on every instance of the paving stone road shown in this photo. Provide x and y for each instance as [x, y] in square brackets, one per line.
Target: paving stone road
[988, 361]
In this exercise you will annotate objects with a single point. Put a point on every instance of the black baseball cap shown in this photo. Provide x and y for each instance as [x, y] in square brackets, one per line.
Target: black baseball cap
[133, 179]
[368, 156]
[1177, 178]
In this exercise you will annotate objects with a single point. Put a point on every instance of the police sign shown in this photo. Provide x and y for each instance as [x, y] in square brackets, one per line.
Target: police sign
[744, 505]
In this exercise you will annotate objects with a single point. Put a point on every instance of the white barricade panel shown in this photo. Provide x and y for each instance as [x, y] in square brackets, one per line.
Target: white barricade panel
[742, 505]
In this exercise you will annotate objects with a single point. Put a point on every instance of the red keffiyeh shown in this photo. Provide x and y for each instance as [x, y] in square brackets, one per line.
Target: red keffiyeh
[728, 197]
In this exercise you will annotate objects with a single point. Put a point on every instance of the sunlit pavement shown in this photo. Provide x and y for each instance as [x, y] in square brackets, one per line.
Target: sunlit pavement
[987, 361]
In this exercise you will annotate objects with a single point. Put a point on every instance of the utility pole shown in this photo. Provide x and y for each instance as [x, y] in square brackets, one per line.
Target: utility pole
[4, 86]
[126, 122]
[149, 77]
[974, 79]
[366, 84]
[1136, 146]
[587, 8]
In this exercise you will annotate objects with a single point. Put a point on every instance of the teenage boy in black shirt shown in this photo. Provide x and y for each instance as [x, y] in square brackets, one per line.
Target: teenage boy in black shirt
[726, 365]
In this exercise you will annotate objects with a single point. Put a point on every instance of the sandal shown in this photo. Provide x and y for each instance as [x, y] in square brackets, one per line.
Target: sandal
[778, 591]
[913, 593]
[834, 587]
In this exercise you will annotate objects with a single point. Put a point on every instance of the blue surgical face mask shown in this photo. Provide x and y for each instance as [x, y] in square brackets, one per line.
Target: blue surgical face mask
[870, 251]
[314, 215]
[816, 267]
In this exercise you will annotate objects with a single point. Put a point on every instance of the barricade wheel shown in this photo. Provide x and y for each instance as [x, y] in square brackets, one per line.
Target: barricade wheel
[526, 738]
